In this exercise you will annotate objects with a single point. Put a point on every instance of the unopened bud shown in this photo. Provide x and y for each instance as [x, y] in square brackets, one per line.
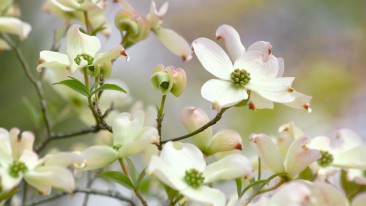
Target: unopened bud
[179, 80]
[162, 79]
[224, 140]
[194, 118]
[136, 27]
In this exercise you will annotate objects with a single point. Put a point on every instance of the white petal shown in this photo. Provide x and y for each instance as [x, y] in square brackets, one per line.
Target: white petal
[97, 157]
[252, 62]
[281, 68]
[301, 101]
[182, 156]
[67, 5]
[271, 67]
[268, 152]
[277, 90]
[193, 118]
[175, 43]
[30, 159]
[53, 60]
[232, 40]
[213, 58]
[299, 156]
[265, 48]
[227, 168]
[223, 93]
[8, 182]
[79, 43]
[125, 128]
[346, 139]
[258, 102]
[5, 147]
[359, 200]
[110, 55]
[320, 143]
[20, 143]
[224, 140]
[44, 178]
[14, 26]
[166, 174]
[205, 195]
[63, 159]
[326, 194]
[4, 45]
[291, 194]
[353, 158]
[147, 136]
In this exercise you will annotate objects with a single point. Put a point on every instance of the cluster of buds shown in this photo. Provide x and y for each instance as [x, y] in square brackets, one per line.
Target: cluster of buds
[169, 79]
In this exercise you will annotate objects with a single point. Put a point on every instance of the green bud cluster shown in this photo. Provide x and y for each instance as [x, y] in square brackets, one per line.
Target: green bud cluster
[326, 159]
[240, 77]
[16, 168]
[194, 178]
[86, 57]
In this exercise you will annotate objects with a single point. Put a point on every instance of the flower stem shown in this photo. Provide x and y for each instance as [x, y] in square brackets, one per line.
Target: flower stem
[87, 23]
[160, 119]
[201, 129]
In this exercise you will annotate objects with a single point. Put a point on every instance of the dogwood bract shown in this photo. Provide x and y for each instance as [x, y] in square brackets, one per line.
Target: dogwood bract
[255, 70]
[182, 167]
[81, 52]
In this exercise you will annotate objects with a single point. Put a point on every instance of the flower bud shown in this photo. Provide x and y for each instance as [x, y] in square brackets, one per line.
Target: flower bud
[136, 27]
[194, 118]
[161, 79]
[224, 140]
[179, 80]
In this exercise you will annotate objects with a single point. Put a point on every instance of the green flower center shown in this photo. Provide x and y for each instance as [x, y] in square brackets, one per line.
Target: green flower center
[240, 77]
[86, 57]
[16, 168]
[326, 159]
[194, 178]
[116, 147]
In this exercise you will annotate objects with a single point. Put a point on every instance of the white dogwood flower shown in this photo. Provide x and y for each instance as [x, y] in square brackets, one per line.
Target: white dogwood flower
[255, 70]
[182, 167]
[347, 151]
[18, 161]
[296, 159]
[130, 136]
[81, 52]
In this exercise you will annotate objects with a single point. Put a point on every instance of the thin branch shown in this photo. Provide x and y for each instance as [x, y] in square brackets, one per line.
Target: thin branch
[160, 119]
[43, 144]
[35, 82]
[201, 129]
[112, 194]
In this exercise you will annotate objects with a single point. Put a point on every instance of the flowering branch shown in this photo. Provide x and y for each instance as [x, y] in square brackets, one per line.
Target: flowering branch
[160, 118]
[201, 129]
[112, 194]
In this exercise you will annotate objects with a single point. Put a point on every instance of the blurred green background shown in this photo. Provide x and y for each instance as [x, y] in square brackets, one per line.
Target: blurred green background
[323, 44]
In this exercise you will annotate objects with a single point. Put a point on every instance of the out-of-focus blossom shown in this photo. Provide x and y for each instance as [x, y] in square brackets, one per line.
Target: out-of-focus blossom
[129, 137]
[9, 23]
[18, 161]
[224, 140]
[301, 193]
[137, 28]
[296, 159]
[346, 151]
[182, 167]
[71, 9]
[169, 79]
[81, 53]
[254, 70]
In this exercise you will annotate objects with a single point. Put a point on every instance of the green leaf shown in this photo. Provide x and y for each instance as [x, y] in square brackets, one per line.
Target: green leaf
[350, 188]
[118, 177]
[76, 85]
[108, 87]
[132, 171]
[140, 178]
[172, 194]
